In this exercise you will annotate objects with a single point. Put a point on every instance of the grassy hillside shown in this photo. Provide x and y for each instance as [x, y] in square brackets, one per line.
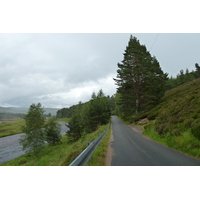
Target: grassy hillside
[173, 119]
[11, 127]
[24, 110]
[179, 110]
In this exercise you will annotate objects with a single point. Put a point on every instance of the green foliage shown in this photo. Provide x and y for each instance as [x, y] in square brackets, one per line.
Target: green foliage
[11, 127]
[74, 126]
[33, 141]
[89, 116]
[196, 130]
[69, 112]
[185, 142]
[179, 108]
[34, 138]
[98, 158]
[140, 79]
[183, 77]
[52, 131]
[61, 154]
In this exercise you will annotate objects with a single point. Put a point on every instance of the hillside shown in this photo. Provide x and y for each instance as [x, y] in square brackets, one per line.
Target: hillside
[179, 109]
[24, 110]
[175, 122]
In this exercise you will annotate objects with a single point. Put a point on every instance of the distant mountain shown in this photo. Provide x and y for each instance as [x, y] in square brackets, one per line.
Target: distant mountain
[24, 110]
[53, 111]
[7, 110]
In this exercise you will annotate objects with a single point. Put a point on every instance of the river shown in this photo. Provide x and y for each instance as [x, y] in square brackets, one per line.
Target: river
[10, 147]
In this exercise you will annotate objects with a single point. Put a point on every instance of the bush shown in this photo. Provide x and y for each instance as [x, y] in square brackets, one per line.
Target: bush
[196, 131]
[160, 129]
[52, 131]
[176, 132]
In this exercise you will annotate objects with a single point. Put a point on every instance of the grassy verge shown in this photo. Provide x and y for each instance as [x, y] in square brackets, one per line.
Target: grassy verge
[11, 127]
[63, 119]
[98, 158]
[60, 155]
[185, 142]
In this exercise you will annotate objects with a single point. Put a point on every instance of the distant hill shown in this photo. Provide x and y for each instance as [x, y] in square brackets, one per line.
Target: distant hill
[24, 110]
[53, 111]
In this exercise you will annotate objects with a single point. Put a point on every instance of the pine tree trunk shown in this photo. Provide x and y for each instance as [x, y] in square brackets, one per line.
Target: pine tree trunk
[137, 105]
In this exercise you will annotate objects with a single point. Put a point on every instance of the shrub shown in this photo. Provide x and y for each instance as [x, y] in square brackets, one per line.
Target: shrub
[160, 129]
[176, 132]
[196, 130]
[188, 122]
[52, 131]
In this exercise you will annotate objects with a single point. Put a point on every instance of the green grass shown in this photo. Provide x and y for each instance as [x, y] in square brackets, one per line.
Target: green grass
[175, 120]
[60, 155]
[98, 158]
[11, 127]
[63, 119]
[179, 109]
[185, 142]
[14, 126]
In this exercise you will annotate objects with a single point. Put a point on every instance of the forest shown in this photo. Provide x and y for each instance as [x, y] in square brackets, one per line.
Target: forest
[87, 117]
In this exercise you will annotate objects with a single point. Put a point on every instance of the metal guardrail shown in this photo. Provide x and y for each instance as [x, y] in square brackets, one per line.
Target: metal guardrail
[85, 156]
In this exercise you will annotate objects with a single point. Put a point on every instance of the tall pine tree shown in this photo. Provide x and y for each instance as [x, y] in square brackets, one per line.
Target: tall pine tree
[140, 79]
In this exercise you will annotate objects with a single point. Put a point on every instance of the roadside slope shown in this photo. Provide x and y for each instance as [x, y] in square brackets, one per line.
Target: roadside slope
[172, 122]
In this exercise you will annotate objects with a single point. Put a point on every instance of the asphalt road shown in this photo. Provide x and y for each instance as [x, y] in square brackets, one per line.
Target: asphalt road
[133, 149]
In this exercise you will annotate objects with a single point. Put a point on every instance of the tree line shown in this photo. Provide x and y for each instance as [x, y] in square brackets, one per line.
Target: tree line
[84, 118]
[183, 77]
[87, 117]
[69, 112]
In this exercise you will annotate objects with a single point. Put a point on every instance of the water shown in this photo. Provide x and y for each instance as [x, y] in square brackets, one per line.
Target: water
[10, 147]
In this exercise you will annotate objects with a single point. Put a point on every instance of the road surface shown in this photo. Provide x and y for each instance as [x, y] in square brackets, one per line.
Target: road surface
[131, 148]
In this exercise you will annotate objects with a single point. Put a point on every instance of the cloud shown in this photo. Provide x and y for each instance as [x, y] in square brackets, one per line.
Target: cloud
[59, 70]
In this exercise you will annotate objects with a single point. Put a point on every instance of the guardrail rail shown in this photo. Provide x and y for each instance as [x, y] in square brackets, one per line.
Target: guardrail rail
[87, 153]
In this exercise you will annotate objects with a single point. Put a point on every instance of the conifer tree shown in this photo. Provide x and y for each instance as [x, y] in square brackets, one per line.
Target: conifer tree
[52, 131]
[197, 71]
[140, 79]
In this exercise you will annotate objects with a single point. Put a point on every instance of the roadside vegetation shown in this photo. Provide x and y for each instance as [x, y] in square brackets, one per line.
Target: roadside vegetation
[61, 154]
[87, 121]
[63, 119]
[99, 156]
[87, 117]
[185, 142]
[37, 132]
[175, 122]
[11, 126]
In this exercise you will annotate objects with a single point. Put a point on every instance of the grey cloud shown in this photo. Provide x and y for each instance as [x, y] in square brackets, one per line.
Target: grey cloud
[63, 69]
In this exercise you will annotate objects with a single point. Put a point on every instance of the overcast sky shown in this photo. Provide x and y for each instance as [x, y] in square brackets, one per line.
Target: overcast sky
[59, 70]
